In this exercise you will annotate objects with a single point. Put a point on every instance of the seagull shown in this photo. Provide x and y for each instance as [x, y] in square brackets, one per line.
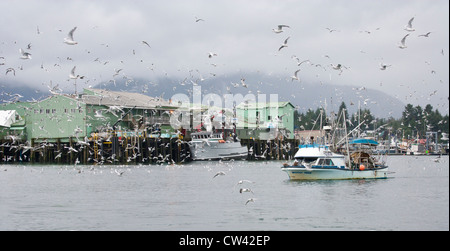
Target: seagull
[331, 30]
[10, 70]
[280, 28]
[295, 77]
[25, 55]
[425, 35]
[284, 44]
[211, 54]
[243, 83]
[242, 181]
[72, 74]
[69, 40]
[243, 190]
[119, 172]
[409, 27]
[384, 66]
[403, 45]
[198, 19]
[219, 174]
[250, 200]
[145, 42]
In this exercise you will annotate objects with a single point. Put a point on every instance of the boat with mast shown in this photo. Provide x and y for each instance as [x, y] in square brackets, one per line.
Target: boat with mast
[333, 158]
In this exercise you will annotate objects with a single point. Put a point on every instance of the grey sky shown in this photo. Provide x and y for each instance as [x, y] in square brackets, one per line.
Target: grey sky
[240, 32]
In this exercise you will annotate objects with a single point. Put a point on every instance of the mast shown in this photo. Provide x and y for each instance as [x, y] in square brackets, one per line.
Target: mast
[346, 137]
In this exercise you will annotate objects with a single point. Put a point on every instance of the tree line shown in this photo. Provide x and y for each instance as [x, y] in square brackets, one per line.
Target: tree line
[414, 123]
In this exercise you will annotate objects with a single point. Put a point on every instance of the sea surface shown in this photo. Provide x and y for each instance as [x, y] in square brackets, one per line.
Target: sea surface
[189, 197]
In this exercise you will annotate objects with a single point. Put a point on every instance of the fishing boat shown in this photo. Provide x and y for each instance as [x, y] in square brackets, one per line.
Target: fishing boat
[318, 162]
[336, 159]
[211, 146]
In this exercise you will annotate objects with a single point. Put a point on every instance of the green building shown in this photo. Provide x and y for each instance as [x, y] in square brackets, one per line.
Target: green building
[265, 120]
[67, 117]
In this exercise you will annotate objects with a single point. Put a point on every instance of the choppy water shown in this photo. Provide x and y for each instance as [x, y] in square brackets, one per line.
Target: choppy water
[187, 197]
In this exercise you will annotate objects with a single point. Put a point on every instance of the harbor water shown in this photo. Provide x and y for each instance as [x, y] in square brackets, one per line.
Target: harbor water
[189, 197]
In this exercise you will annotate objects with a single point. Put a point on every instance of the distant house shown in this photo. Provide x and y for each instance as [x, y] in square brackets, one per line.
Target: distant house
[265, 120]
[11, 125]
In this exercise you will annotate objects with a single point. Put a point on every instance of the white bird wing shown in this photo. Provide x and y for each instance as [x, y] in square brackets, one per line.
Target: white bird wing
[72, 72]
[70, 35]
[404, 39]
[410, 22]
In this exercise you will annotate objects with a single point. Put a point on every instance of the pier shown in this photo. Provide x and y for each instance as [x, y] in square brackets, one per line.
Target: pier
[97, 150]
[113, 150]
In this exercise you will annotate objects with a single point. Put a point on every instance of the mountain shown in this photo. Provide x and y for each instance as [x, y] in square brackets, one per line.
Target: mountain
[302, 95]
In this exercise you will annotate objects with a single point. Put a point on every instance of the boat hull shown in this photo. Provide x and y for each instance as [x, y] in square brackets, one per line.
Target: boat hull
[218, 151]
[302, 173]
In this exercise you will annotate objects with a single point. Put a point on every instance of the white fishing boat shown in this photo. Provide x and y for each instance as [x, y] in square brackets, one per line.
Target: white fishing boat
[211, 146]
[336, 161]
[318, 162]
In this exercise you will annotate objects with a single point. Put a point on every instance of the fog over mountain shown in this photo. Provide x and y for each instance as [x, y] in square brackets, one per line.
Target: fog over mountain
[302, 95]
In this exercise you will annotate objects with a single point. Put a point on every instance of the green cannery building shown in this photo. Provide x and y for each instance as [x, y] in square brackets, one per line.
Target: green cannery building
[66, 118]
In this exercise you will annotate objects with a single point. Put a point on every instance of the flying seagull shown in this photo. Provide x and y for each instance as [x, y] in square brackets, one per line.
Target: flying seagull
[402, 43]
[243, 190]
[25, 55]
[250, 200]
[280, 28]
[384, 66]
[219, 174]
[72, 74]
[69, 40]
[284, 44]
[295, 77]
[144, 42]
[425, 35]
[409, 27]
[198, 19]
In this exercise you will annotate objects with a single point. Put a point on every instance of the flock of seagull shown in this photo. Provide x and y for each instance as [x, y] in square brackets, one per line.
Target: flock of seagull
[241, 189]
[339, 67]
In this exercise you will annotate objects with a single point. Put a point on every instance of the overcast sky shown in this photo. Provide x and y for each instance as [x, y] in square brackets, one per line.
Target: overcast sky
[110, 34]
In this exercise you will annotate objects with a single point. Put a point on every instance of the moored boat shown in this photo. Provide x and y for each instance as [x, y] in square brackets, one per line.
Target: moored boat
[211, 146]
[317, 162]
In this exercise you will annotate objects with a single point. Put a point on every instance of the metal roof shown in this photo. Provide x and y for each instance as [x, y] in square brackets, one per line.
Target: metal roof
[124, 99]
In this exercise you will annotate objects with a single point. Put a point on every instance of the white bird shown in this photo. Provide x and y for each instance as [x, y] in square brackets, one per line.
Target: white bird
[243, 190]
[242, 181]
[211, 54]
[145, 42]
[25, 55]
[409, 27]
[425, 35]
[402, 44]
[280, 28]
[295, 77]
[72, 74]
[198, 19]
[250, 200]
[243, 83]
[284, 44]
[219, 174]
[119, 172]
[384, 66]
[69, 40]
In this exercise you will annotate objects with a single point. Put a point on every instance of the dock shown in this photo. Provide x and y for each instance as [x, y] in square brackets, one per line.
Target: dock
[128, 150]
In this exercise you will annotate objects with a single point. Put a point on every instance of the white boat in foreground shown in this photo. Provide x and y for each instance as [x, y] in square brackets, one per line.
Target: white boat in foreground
[317, 162]
[211, 146]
